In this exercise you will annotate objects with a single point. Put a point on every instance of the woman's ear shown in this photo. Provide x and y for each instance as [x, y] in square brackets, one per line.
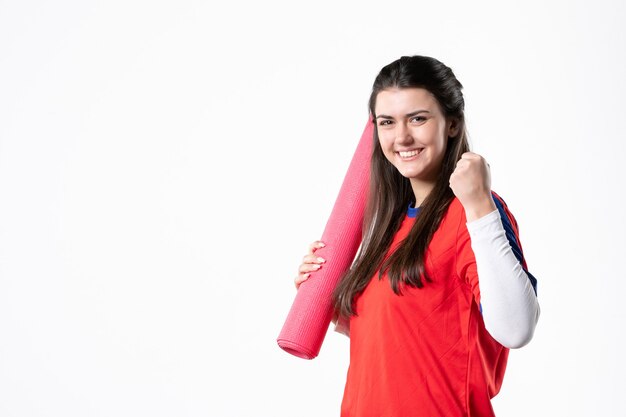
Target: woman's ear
[453, 128]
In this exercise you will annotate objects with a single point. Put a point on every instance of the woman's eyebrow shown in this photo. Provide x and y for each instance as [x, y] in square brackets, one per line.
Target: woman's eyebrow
[384, 116]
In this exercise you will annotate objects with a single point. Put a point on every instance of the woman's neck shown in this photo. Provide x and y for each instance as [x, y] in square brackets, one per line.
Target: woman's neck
[421, 189]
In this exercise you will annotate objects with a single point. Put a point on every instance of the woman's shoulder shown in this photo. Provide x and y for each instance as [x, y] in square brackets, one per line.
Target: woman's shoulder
[456, 210]
[453, 218]
[456, 214]
[455, 205]
[497, 198]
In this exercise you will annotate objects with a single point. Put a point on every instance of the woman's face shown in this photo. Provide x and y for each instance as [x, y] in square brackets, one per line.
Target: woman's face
[413, 132]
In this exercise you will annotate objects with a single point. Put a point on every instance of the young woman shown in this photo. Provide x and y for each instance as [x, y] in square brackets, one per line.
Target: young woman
[439, 291]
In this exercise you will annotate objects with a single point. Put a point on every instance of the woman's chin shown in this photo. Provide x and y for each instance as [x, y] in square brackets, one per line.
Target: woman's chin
[411, 174]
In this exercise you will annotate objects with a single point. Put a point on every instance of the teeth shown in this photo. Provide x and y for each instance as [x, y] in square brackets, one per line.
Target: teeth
[409, 154]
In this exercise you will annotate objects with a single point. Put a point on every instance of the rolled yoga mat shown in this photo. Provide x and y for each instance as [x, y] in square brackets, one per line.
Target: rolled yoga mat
[312, 310]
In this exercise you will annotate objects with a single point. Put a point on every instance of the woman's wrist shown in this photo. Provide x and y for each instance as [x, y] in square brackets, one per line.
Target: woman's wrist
[480, 209]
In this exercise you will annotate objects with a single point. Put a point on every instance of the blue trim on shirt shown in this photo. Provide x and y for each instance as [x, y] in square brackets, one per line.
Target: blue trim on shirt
[412, 211]
[510, 234]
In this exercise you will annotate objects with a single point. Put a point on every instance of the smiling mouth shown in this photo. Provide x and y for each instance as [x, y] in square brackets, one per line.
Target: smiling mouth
[410, 154]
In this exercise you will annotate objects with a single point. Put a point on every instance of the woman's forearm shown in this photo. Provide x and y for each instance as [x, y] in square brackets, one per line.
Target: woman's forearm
[509, 304]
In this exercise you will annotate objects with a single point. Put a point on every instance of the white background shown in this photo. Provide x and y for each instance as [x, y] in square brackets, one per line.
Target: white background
[164, 166]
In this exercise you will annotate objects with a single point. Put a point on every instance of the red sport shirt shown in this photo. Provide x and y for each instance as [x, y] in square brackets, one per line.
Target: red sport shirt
[427, 353]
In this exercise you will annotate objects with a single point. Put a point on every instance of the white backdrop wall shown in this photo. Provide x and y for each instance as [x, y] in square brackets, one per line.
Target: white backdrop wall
[164, 166]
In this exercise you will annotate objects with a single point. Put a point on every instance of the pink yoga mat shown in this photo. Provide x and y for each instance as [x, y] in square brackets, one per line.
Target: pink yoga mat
[311, 312]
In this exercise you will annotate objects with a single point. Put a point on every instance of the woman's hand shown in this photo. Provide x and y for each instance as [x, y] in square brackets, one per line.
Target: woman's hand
[310, 263]
[471, 184]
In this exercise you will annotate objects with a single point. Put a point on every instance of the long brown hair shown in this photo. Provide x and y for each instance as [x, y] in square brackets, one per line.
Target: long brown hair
[390, 193]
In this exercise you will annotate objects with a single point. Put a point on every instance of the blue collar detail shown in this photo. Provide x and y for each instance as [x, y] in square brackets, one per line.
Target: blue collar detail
[412, 211]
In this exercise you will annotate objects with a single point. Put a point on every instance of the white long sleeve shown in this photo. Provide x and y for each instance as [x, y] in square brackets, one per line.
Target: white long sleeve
[509, 304]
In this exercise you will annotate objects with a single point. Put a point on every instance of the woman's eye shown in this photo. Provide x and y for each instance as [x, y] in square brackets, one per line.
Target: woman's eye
[383, 122]
[418, 118]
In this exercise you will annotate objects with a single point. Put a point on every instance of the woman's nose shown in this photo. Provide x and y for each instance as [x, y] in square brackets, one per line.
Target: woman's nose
[403, 134]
